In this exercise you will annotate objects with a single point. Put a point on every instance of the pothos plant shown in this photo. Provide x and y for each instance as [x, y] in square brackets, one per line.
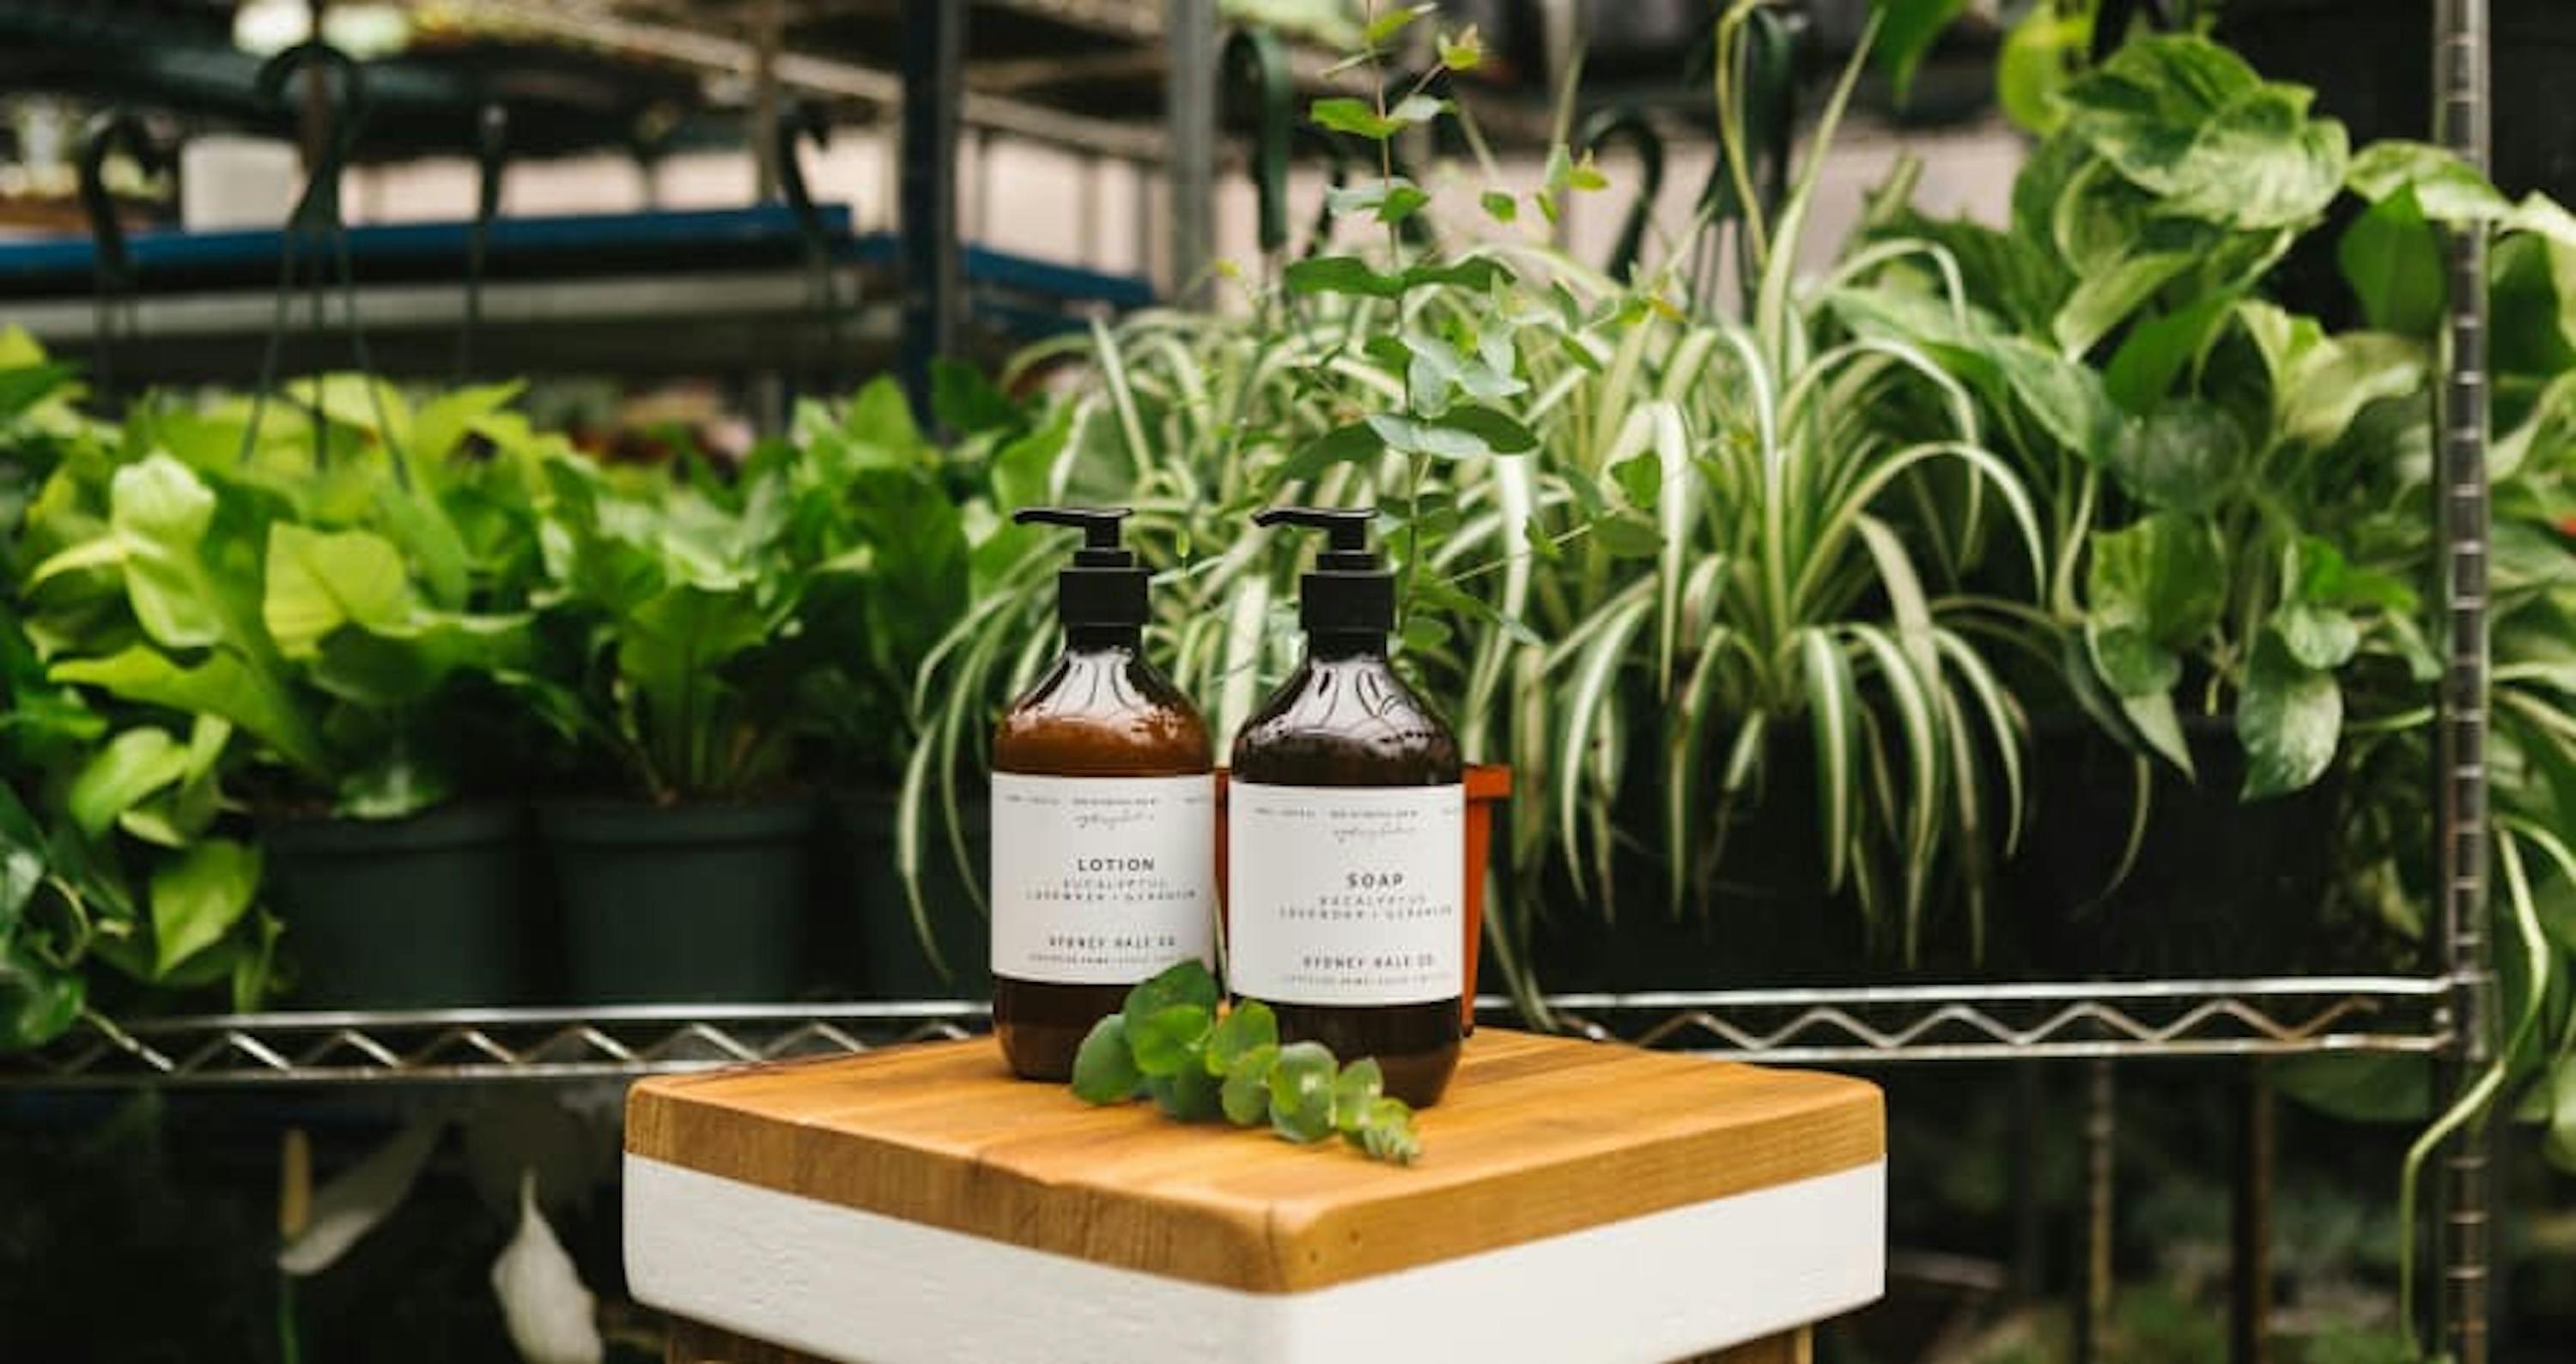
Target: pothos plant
[1171, 1043]
[700, 627]
[2391, 255]
[2201, 455]
[53, 905]
[291, 607]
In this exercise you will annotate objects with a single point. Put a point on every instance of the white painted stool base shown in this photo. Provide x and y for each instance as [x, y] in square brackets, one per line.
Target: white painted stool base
[856, 1286]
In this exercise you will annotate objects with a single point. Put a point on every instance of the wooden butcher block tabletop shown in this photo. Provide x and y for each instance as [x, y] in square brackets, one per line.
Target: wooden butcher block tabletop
[1539, 1137]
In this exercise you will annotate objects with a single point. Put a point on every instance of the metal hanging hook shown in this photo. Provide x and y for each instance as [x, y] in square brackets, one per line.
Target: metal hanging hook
[798, 122]
[491, 154]
[1253, 68]
[319, 206]
[109, 132]
[1767, 76]
[316, 228]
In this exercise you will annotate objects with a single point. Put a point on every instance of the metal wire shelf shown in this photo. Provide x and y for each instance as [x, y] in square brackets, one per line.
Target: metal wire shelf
[2033, 1021]
[1824, 1026]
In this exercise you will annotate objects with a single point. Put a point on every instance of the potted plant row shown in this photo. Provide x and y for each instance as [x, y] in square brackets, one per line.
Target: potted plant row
[323, 657]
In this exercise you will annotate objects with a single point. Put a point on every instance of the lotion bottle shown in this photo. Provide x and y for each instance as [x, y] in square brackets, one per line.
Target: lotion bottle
[1345, 838]
[1104, 816]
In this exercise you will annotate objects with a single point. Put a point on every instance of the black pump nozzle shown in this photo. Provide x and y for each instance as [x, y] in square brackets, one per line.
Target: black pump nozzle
[1350, 590]
[1104, 585]
[1099, 527]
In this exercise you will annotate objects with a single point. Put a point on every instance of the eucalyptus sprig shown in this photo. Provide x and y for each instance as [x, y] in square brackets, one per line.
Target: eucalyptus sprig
[1172, 1045]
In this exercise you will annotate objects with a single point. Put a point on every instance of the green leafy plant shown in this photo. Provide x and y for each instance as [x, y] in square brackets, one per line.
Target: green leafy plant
[300, 613]
[309, 590]
[1399, 381]
[1609, 520]
[699, 626]
[2207, 462]
[1170, 1043]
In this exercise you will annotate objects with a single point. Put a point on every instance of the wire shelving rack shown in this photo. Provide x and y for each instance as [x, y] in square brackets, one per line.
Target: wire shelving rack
[1857, 1026]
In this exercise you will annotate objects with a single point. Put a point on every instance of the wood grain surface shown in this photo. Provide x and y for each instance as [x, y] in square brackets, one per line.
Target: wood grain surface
[1539, 1137]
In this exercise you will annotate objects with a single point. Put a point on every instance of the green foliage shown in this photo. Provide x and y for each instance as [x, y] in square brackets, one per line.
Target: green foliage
[306, 584]
[698, 629]
[2186, 442]
[351, 601]
[1630, 543]
[1170, 1043]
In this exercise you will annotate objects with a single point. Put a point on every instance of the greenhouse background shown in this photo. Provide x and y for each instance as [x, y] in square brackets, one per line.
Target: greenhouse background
[2022, 550]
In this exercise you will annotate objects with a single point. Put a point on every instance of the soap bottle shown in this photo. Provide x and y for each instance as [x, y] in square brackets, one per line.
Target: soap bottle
[1345, 835]
[1104, 816]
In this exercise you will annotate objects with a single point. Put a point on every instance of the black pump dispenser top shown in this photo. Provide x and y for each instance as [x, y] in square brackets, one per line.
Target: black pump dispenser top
[1350, 590]
[1104, 585]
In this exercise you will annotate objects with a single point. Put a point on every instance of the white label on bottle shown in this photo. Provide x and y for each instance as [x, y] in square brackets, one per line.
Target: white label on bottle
[1102, 880]
[1346, 895]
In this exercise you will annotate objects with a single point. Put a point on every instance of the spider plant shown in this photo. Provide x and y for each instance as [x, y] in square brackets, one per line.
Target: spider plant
[1805, 574]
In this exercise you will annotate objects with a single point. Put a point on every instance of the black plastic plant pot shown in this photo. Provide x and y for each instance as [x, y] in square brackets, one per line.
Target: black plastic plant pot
[865, 908]
[682, 904]
[419, 913]
[2219, 887]
[1760, 911]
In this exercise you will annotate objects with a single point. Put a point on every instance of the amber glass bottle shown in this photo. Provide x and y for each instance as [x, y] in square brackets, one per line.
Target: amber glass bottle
[1104, 817]
[1345, 836]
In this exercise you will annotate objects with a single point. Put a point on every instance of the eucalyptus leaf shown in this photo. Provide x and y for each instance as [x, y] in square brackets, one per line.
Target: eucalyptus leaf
[1246, 1028]
[1343, 114]
[1626, 535]
[1301, 1092]
[1245, 1095]
[1104, 1069]
[1170, 1040]
[1389, 200]
[1418, 436]
[1393, 22]
[1351, 275]
[1498, 433]
[1387, 1132]
[1355, 1091]
[1187, 1095]
[1185, 982]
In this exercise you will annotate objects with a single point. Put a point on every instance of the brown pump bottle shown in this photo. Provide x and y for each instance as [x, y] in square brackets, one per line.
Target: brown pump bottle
[1104, 816]
[1345, 836]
